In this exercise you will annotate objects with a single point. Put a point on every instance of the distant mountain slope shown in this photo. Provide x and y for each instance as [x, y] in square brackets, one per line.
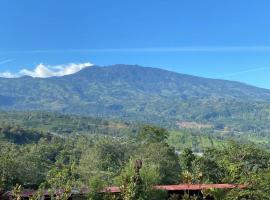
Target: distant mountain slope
[139, 93]
[59, 124]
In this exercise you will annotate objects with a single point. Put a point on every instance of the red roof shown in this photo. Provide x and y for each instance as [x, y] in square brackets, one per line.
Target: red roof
[181, 187]
[198, 187]
[112, 190]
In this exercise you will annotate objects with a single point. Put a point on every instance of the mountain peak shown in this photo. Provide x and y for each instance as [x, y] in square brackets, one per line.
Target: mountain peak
[133, 92]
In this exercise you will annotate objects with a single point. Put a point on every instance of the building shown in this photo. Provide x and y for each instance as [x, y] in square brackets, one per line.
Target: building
[177, 190]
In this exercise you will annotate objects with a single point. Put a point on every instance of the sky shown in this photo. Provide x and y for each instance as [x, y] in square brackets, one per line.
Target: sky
[225, 39]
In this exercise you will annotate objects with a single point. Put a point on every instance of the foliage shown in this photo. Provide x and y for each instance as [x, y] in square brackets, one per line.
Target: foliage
[96, 185]
[140, 186]
[186, 158]
[106, 158]
[153, 134]
[62, 163]
[17, 192]
[13, 125]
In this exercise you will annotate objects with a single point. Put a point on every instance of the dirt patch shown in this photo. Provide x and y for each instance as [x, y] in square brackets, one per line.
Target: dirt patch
[193, 125]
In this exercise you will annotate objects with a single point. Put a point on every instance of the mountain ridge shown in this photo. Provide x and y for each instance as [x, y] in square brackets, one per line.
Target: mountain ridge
[132, 92]
[129, 66]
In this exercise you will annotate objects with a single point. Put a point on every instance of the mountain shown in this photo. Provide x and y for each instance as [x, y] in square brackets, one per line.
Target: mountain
[142, 94]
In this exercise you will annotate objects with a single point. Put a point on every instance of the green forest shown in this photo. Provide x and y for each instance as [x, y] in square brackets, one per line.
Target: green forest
[50, 151]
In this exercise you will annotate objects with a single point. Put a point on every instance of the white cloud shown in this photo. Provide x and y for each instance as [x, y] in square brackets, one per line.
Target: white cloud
[43, 71]
[8, 75]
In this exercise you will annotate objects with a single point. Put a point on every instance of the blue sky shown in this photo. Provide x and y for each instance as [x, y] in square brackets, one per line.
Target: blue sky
[226, 39]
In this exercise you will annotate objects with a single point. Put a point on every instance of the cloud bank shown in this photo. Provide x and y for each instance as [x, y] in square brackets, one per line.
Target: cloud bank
[8, 75]
[45, 71]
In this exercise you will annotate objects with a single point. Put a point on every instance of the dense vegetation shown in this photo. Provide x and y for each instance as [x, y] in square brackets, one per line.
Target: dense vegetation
[53, 161]
[60, 124]
[69, 125]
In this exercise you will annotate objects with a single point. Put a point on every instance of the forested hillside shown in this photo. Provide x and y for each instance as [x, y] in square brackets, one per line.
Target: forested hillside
[148, 95]
[65, 125]
[194, 136]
